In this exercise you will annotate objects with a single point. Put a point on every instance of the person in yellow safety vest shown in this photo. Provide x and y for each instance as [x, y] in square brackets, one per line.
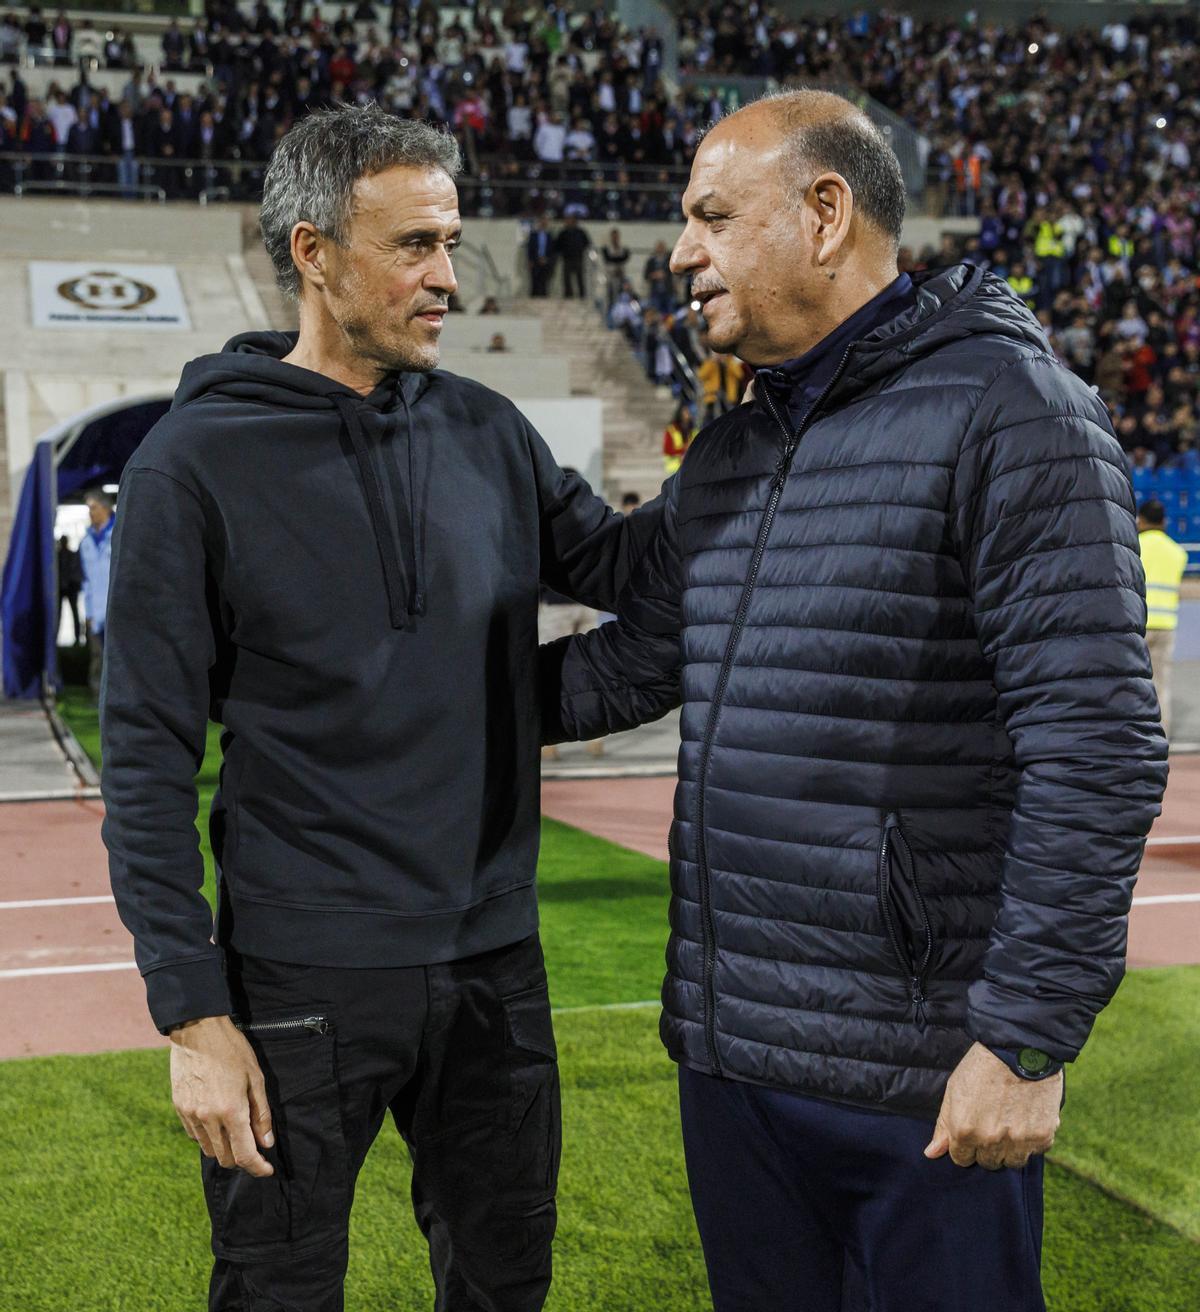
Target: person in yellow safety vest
[677, 437]
[1021, 283]
[1164, 561]
[1120, 243]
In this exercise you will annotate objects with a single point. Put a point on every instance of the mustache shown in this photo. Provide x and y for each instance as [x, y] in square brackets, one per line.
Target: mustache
[432, 305]
[706, 289]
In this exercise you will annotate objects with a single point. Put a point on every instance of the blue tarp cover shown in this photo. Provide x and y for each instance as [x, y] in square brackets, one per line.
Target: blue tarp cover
[29, 604]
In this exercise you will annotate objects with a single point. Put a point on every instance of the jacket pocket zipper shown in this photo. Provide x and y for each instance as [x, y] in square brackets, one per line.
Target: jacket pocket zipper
[313, 1024]
[894, 852]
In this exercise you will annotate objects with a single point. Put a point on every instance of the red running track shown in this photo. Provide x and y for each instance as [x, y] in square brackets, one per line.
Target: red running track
[67, 982]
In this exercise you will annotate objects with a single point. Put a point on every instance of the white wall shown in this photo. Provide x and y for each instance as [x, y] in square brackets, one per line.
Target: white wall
[574, 430]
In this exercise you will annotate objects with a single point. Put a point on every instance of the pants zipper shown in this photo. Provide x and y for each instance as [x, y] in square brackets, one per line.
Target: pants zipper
[313, 1024]
[778, 479]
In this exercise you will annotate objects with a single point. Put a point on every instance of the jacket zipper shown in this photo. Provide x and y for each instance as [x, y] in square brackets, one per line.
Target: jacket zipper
[314, 1025]
[791, 441]
[917, 969]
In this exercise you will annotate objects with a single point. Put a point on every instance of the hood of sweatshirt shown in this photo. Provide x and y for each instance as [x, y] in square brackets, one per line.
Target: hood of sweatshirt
[251, 368]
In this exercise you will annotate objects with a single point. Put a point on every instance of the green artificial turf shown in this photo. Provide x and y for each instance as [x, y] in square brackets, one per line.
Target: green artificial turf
[1131, 1120]
[100, 1207]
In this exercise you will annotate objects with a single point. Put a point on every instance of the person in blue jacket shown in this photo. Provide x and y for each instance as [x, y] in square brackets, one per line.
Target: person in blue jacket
[95, 561]
[900, 598]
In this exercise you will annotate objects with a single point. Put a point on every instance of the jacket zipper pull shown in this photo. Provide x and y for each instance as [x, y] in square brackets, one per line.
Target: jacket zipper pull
[917, 996]
[781, 467]
[316, 1025]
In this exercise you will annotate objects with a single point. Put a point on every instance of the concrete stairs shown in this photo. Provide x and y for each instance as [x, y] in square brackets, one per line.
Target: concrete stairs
[601, 364]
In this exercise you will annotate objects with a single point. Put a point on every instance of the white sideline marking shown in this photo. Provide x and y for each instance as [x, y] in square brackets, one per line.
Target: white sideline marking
[1172, 842]
[56, 902]
[1165, 897]
[604, 1006]
[26, 971]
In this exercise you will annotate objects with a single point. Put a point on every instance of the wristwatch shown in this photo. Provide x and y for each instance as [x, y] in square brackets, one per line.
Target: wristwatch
[1028, 1063]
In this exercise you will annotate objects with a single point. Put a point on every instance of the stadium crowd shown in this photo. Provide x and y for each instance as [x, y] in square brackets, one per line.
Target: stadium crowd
[547, 95]
[1078, 150]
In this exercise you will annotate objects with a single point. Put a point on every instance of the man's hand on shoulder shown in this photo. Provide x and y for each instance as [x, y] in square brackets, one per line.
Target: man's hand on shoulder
[219, 1093]
[993, 1117]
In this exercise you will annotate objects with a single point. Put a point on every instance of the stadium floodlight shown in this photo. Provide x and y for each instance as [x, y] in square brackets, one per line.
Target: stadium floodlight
[1033, 47]
[696, 306]
[1160, 123]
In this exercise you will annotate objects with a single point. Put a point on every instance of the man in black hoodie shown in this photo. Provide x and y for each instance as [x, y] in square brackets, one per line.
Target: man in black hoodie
[372, 664]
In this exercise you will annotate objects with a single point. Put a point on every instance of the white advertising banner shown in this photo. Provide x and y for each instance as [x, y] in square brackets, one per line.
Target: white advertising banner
[146, 297]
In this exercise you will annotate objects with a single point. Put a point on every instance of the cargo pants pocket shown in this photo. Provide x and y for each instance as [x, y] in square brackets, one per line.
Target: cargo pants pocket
[305, 1205]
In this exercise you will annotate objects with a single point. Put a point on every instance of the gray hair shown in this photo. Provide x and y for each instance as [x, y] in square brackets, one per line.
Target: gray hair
[314, 168]
[100, 497]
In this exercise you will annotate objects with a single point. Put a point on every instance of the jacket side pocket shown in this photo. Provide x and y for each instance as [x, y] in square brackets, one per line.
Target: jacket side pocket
[904, 912]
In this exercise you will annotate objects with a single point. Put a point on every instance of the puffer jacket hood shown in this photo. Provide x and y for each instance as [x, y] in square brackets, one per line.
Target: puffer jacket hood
[952, 305]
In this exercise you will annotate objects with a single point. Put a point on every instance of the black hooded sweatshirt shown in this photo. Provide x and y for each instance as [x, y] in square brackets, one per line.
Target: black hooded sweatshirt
[349, 587]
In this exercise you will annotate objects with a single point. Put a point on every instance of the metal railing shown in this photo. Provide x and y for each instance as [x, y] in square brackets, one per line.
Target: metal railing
[502, 188]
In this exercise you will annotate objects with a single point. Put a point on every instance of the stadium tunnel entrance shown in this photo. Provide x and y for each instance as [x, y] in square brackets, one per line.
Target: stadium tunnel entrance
[90, 449]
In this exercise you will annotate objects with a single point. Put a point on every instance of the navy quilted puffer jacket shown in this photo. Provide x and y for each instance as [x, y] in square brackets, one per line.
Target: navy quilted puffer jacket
[921, 748]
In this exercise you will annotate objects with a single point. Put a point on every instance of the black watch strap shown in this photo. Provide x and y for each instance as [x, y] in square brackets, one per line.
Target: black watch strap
[1028, 1063]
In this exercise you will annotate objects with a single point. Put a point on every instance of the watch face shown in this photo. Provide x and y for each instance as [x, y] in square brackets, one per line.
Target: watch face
[1033, 1060]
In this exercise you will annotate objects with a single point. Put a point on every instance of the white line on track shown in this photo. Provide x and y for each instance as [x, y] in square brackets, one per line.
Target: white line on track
[604, 1006]
[1173, 842]
[1164, 898]
[34, 902]
[27, 971]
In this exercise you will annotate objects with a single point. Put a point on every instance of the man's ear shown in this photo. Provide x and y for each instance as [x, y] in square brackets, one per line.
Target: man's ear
[310, 253]
[833, 207]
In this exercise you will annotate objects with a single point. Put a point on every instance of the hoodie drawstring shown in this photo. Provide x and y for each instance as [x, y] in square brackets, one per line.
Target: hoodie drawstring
[393, 570]
[416, 604]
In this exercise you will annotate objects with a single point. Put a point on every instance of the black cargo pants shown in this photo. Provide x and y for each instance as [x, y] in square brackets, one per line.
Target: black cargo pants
[462, 1054]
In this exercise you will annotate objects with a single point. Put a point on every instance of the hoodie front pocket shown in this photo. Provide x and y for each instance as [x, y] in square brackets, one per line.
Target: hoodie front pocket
[904, 912]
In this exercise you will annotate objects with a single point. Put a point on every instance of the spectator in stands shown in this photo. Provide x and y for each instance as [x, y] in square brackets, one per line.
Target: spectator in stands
[722, 381]
[572, 245]
[660, 286]
[62, 116]
[127, 147]
[36, 137]
[539, 255]
[1164, 562]
[83, 138]
[677, 437]
[490, 306]
[163, 143]
[62, 38]
[95, 557]
[198, 47]
[173, 47]
[497, 345]
[35, 28]
[549, 139]
[615, 255]
[10, 39]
